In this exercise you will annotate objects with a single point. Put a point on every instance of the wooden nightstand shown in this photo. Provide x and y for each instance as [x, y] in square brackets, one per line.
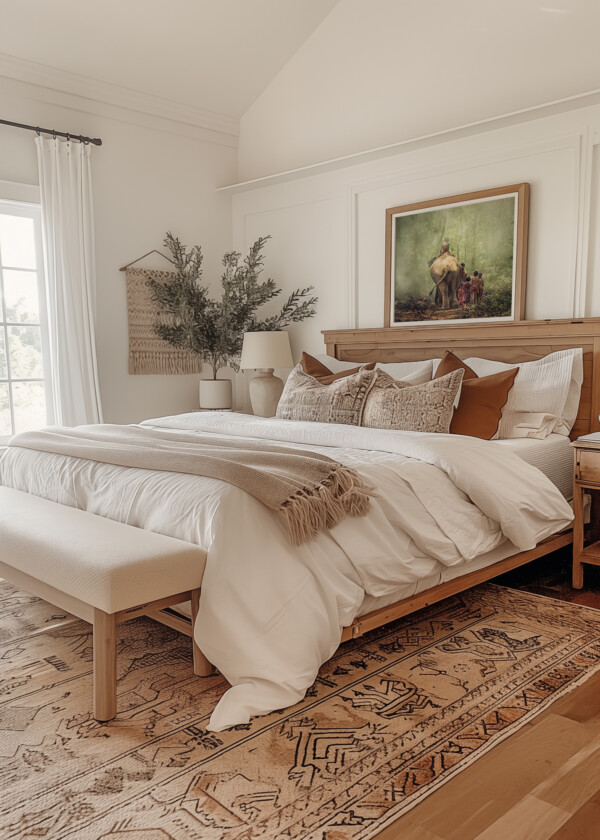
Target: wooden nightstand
[586, 479]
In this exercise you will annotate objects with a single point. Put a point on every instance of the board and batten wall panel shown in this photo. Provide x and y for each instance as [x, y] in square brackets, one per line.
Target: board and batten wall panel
[329, 228]
[592, 284]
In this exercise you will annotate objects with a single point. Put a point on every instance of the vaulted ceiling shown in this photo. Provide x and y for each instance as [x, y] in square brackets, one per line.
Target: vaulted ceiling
[215, 55]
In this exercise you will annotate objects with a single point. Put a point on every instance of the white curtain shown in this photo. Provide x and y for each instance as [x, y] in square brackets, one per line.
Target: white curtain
[68, 226]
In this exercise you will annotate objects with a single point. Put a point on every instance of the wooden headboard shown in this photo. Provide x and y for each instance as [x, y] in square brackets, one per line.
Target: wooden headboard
[504, 341]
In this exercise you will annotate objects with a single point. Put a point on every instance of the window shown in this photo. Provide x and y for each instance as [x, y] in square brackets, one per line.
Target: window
[25, 388]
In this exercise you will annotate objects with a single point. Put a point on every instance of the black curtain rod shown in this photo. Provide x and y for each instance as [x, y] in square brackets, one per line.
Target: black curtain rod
[95, 141]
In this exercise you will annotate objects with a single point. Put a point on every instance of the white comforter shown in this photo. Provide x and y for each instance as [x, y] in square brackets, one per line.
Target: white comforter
[271, 613]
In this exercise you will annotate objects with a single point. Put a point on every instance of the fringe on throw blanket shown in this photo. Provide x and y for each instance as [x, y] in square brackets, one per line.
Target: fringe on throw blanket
[311, 510]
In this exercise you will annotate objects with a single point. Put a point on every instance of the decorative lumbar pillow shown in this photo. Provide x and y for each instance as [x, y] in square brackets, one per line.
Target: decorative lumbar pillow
[322, 373]
[304, 398]
[481, 398]
[412, 408]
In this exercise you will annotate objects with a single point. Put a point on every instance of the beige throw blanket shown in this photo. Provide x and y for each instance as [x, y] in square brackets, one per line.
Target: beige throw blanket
[311, 492]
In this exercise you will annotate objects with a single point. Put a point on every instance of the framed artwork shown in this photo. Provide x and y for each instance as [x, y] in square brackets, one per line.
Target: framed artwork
[458, 258]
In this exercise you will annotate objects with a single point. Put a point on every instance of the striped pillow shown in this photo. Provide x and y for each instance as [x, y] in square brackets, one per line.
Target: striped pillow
[545, 397]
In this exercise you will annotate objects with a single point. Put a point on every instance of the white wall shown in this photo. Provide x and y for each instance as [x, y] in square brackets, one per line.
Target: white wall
[383, 71]
[149, 176]
[329, 229]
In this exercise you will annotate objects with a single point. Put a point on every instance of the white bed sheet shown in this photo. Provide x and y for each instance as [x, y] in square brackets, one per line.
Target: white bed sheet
[552, 455]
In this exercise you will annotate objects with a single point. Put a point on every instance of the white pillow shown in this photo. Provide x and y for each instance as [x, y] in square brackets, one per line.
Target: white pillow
[545, 396]
[414, 373]
[334, 365]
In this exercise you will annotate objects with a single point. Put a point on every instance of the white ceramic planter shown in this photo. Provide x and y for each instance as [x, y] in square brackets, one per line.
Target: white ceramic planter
[215, 393]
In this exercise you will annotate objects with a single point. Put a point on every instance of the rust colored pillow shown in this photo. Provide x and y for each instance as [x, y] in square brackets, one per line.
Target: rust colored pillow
[322, 374]
[482, 398]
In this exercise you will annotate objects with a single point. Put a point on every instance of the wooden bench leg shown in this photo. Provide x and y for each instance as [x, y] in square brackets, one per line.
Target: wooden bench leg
[105, 666]
[202, 667]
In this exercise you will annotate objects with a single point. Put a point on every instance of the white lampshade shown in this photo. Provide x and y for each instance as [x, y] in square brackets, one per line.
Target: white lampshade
[266, 350]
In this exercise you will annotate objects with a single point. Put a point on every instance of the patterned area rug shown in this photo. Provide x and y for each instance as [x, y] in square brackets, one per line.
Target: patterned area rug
[390, 718]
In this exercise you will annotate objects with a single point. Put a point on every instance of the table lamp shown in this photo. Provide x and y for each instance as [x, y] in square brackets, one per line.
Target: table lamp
[264, 351]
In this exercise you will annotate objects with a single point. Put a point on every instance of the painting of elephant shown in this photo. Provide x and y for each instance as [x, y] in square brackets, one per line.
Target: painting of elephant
[438, 249]
[445, 273]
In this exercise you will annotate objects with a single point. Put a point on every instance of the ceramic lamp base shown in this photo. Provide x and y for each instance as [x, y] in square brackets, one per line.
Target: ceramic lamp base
[265, 390]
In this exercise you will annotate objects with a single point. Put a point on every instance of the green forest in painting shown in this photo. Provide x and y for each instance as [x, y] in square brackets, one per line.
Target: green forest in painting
[431, 284]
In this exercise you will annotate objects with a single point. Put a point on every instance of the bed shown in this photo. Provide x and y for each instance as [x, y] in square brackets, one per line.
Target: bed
[271, 613]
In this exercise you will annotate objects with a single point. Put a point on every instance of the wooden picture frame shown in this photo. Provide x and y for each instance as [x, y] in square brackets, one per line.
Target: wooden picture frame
[451, 299]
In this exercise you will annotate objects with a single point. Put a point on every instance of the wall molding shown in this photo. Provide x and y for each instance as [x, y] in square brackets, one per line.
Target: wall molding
[31, 72]
[23, 193]
[524, 115]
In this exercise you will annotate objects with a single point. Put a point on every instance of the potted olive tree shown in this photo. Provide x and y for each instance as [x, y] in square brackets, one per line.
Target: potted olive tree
[214, 328]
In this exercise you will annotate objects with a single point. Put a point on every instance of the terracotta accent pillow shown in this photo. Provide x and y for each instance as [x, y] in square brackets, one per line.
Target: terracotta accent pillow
[412, 408]
[304, 398]
[482, 398]
[322, 373]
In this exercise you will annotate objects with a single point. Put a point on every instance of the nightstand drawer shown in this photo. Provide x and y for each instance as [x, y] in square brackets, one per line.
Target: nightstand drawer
[588, 468]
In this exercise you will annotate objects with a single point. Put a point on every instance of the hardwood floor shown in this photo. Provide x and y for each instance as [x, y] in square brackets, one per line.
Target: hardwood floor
[543, 783]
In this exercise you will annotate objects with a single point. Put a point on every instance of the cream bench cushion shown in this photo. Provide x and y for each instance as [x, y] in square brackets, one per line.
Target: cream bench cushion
[106, 564]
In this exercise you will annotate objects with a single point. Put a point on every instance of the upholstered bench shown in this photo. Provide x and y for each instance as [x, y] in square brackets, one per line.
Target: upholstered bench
[100, 570]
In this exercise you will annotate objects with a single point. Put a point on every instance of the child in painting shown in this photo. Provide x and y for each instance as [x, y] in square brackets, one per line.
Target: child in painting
[461, 296]
[466, 287]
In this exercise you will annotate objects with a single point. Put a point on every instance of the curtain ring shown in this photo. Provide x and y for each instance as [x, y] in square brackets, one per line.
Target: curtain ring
[68, 137]
[54, 134]
[37, 131]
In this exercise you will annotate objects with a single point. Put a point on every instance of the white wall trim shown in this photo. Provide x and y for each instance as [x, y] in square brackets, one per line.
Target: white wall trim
[111, 94]
[23, 193]
[547, 109]
[583, 177]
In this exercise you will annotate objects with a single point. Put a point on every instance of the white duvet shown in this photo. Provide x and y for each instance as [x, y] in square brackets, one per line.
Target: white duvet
[271, 613]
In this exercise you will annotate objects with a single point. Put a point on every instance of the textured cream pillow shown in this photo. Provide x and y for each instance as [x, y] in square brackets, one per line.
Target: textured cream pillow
[304, 398]
[412, 408]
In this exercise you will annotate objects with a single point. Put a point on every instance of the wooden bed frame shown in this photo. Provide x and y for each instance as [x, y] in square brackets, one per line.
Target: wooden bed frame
[503, 341]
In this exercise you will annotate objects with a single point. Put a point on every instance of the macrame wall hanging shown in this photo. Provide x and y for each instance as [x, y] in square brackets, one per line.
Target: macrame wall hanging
[148, 353]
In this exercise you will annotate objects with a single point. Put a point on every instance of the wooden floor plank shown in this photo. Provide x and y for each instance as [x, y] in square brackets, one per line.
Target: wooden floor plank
[584, 825]
[575, 782]
[529, 819]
